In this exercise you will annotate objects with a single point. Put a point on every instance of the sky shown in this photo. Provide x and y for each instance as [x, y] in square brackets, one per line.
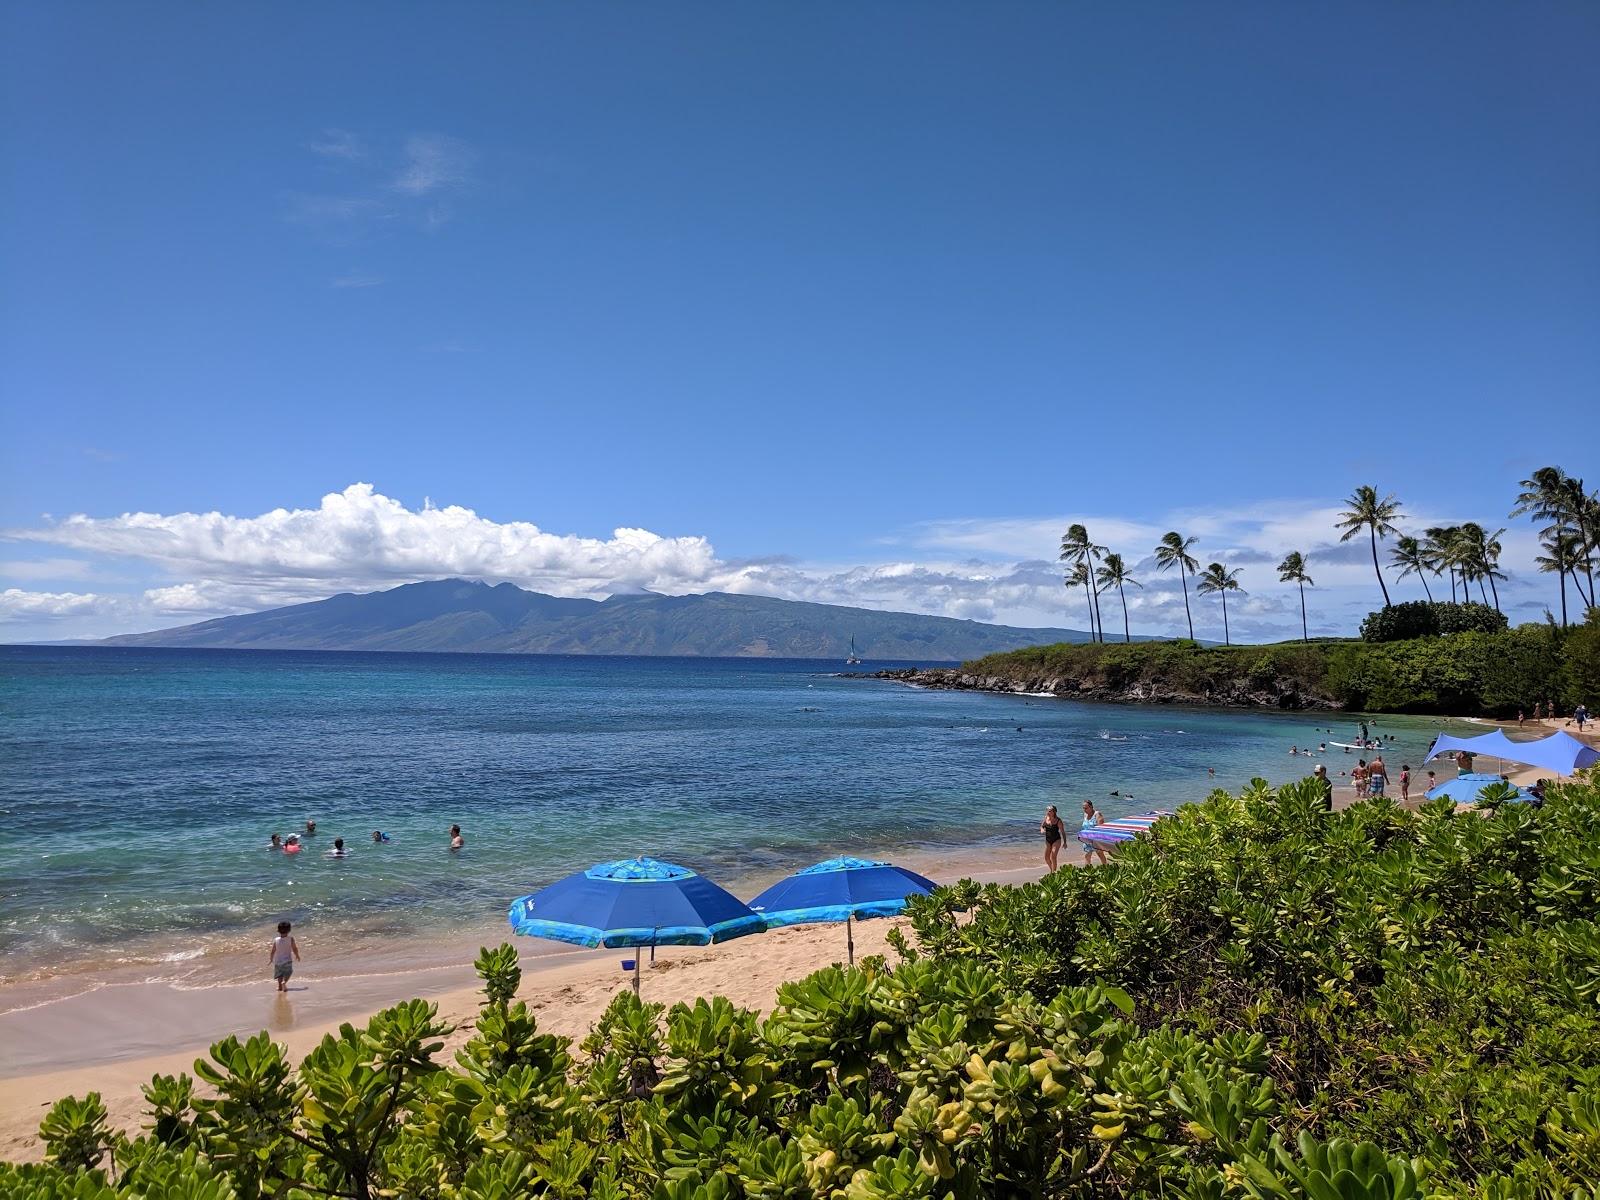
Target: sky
[860, 303]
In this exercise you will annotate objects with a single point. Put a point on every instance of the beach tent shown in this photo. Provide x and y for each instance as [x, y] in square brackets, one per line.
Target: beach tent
[634, 902]
[1495, 744]
[1560, 753]
[1123, 829]
[1465, 789]
[840, 889]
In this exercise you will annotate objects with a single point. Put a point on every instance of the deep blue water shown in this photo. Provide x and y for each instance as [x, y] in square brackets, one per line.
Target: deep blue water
[141, 785]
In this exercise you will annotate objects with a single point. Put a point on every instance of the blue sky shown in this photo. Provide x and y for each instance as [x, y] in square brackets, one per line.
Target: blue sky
[850, 302]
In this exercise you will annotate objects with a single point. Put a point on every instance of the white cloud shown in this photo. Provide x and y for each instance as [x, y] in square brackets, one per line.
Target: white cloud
[433, 162]
[1003, 570]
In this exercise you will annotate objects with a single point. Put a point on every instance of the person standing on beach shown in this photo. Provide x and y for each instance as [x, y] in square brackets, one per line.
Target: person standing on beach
[283, 954]
[1091, 818]
[1054, 833]
[1405, 782]
[1321, 776]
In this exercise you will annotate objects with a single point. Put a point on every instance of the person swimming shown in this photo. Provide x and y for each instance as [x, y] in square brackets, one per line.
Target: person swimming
[292, 846]
[276, 843]
[311, 828]
[379, 835]
[338, 850]
[456, 840]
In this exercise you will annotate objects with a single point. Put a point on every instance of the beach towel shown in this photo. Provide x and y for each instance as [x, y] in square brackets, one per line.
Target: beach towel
[1123, 829]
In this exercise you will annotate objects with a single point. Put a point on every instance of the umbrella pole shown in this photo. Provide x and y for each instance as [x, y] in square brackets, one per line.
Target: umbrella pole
[636, 973]
[849, 942]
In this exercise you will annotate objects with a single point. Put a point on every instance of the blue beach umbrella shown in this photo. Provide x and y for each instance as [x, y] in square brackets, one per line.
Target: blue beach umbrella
[1465, 789]
[840, 889]
[634, 902]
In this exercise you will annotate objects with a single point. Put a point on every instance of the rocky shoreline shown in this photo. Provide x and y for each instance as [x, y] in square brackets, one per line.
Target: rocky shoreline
[1281, 695]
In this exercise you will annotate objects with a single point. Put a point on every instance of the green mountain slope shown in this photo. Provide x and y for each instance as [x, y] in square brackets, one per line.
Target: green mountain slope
[468, 616]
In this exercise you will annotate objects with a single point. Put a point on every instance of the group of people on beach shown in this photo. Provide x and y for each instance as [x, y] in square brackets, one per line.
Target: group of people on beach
[1546, 711]
[1055, 833]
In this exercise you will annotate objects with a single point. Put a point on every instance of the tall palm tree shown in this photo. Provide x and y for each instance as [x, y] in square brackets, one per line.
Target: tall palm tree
[1377, 517]
[1479, 553]
[1174, 552]
[1551, 495]
[1411, 556]
[1080, 575]
[1293, 570]
[1075, 549]
[1563, 551]
[1218, 578]
[1442, 545]
[1114, 573]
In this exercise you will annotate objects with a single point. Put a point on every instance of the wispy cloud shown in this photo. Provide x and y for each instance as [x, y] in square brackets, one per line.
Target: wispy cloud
[339, 144]
[433, 162]
[410, 187]
[355, 279]
[101, 455]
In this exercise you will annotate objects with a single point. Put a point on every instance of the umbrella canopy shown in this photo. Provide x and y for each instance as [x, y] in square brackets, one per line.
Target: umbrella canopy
[837, 890]
[1465, 789]
[634, 902]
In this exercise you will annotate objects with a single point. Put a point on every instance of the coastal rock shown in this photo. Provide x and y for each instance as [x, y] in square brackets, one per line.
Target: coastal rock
[1275, 694]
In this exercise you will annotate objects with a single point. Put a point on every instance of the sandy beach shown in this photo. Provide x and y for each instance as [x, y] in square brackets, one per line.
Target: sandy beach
[113, 1039]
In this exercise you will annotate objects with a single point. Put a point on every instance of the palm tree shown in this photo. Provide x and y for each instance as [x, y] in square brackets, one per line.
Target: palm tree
[1377, 517]
[1217, 578]
[1412, 557]
[1563, 553]
[1479, 552]
[1080, 575]
[1075, 549]
[1115, 573]
[1442, 546]
[1550, 494]
[1293, 570]
[1174, 552]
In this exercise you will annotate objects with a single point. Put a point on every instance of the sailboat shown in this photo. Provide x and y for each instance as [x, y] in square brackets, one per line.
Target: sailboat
[854, 657]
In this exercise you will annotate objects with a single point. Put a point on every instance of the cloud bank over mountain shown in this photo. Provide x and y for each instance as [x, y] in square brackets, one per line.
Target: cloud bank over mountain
[149, 570]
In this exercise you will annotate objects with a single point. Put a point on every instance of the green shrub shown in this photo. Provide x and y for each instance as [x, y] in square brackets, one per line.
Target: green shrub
[1422, 618]
[1260, 999]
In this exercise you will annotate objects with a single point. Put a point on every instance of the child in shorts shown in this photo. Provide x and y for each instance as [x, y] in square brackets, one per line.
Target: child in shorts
[284, 954]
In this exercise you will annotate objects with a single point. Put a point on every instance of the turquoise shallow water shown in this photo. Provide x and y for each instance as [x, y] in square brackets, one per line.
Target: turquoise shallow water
[142, 784]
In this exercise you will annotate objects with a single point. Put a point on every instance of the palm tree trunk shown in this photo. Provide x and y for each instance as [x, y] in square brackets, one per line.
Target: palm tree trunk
[1426, 590]
[1183, 574]
[1227, 641]
[1481, 592]
[1452, 585]
[1124, 595]
[1496, 592]
[1098, 621]
[1088, 599]
[1373, 530]
[1563, 599]
[1305, 633]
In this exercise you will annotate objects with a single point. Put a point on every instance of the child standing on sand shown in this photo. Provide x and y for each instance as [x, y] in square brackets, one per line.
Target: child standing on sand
[284, 954]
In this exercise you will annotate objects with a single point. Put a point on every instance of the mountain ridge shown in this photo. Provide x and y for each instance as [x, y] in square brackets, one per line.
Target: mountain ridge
[470, 616]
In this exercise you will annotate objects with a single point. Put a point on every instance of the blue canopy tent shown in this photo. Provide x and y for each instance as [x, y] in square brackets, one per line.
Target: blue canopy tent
[1560, 753]
[1465, 789]
[634, 902]
[840, 889]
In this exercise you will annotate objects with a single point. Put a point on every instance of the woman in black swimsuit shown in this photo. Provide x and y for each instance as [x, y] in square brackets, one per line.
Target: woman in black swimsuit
[1052, 829]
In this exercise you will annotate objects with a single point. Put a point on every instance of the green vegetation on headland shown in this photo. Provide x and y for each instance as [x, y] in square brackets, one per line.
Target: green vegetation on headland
[1466, 674]
[1262, 999]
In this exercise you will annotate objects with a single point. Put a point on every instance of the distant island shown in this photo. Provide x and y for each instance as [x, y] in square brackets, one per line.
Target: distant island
[467, 616]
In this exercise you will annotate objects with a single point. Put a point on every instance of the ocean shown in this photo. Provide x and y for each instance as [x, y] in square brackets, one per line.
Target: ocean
[142, 785]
